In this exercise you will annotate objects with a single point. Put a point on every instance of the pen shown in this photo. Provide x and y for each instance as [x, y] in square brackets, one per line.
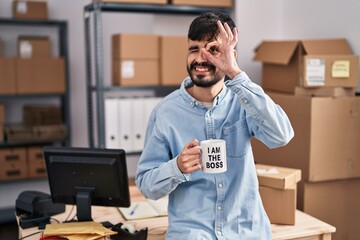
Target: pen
[133, 211]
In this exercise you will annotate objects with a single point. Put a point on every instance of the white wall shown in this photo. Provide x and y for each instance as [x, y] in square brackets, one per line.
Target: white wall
[255, 19]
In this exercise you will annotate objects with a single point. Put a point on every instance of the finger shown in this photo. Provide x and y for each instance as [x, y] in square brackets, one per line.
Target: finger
[209, 57]
[235, 33]
[192, 144]
[192, 168]
[228, 31]
[221, 29]
[209, 45]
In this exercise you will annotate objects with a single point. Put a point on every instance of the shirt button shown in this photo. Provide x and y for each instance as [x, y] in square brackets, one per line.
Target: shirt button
[219, 208]
[219, 233]
[220, 185]
[246, 101]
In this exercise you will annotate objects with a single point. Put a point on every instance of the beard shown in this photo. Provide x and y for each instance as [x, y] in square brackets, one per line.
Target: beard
[202, 80]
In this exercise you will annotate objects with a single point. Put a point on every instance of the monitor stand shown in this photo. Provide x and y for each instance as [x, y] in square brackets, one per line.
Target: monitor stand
[83, 204]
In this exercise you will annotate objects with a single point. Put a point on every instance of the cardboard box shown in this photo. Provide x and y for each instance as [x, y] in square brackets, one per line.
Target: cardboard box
[34, 115]
[135, 1]
[34, 10]
[36, 162]
[208, 3]
[326, 141]
[277, 177]
[40, 75]
[336, 203]
[1, 133]
[19, 134]
[1, 47]
[50, 133]
[136, 72]
[278, 192]
[135, 59]
[307, 63]
[2, 113]
[279, 204]
[7, 75]
[13, 163]
[173, 55]
[34, 47]
[135, 46]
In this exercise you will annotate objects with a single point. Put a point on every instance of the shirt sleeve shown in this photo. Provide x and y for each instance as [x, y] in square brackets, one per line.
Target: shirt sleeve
[157, 173]
[266, 120]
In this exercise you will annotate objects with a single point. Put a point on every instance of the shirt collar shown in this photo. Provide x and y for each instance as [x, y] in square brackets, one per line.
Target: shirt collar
[192, 101]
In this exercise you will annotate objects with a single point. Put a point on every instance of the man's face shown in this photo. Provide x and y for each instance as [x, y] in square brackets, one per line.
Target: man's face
[201, 72]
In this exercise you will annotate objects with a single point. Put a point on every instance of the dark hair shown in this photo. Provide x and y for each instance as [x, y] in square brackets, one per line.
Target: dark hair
[204, 27]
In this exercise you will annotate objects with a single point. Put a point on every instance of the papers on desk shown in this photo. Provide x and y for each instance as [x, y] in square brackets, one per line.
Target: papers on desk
[146, 209]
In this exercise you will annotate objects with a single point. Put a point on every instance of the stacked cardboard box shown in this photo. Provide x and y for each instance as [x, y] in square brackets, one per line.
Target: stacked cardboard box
[208, 3]
[307, 64]
[21, 163]
[135, 59]
[2, 120]
[36, 70]
[278, 192]
[327, 126]
[173, 53]
[35, 115]
[135, 1]
[32, 10]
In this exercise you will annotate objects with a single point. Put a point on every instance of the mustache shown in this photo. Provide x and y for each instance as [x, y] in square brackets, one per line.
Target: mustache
[204, 64]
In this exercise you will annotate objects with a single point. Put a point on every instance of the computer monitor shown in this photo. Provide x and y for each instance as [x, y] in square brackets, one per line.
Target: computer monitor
[85, 177]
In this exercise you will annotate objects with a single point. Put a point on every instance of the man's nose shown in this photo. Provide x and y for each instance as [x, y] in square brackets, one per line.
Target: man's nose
[200, 57]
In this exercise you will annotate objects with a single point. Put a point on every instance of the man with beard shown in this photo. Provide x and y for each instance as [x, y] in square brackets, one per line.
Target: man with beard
[201, 205]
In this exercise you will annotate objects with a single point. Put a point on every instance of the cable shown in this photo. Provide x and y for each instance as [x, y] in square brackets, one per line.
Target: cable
[32, 234]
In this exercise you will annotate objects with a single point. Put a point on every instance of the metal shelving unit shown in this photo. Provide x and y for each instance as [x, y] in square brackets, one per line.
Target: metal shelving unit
[14, 187]
[62, 31]
[95, 84]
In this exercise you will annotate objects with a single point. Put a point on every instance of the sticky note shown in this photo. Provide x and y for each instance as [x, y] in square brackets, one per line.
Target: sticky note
[340, 69]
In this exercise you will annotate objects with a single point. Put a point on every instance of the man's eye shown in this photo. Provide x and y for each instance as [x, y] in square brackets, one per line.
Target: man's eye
[213, 50]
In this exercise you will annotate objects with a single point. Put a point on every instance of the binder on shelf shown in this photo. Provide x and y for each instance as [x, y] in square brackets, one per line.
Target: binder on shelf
[125, 123]
[111, 123]
[138, 127]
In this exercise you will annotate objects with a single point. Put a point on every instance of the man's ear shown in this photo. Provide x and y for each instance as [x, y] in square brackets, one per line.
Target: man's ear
[235, 53]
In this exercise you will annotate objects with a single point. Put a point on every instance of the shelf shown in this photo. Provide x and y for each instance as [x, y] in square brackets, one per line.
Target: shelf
[34, 23]
[152, 8]
[94, 56]
[35, 95]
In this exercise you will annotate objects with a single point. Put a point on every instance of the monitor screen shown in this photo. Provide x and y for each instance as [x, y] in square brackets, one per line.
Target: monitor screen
[85, 177]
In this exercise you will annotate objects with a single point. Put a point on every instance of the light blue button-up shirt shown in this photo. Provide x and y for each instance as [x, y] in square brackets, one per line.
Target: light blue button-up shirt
[212, 206]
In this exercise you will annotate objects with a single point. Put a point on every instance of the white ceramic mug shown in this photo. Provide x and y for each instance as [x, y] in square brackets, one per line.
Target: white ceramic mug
[213, 156]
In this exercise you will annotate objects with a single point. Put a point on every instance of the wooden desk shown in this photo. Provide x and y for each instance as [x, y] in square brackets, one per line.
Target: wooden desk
[306, 228]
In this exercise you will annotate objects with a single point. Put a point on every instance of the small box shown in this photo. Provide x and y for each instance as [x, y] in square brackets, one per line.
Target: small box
[135, 46]
[19, 134]
[326, 141]
[278, 192]
[50, 133]
[40, 75]
[277, 177]
[13, 163]
[307, 63]
[279, 204]
[136, 72]
[34, 47]
[34, 115]
[134, 1]
[173, 55]
[7, 76]
[32, 10]
[36, 162]
[135, 60]
[1, 133]
[207, 3]
[2, 113]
